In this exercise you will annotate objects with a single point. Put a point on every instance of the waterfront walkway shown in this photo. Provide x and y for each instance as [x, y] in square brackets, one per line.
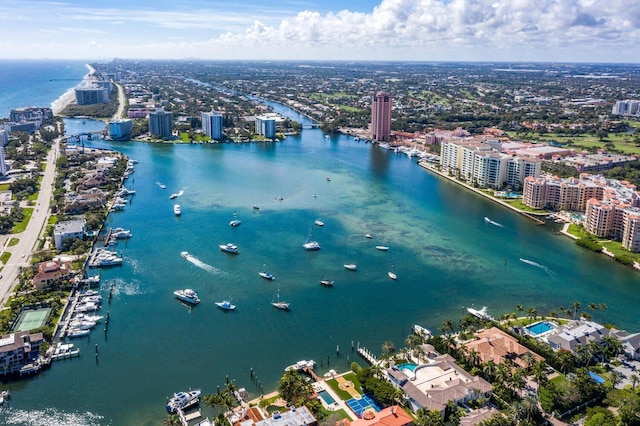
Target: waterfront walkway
[528, 215]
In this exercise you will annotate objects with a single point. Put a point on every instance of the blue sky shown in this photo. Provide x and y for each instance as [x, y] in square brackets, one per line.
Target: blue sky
[424, 30]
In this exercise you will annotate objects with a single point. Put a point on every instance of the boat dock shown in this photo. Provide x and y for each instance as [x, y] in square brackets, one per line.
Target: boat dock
[310, 371]
[364, 353]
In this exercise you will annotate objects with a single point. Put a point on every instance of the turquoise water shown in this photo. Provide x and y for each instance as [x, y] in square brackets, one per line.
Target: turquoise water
[539, 328]
[410, 367]
[326, 397]
[446, 257]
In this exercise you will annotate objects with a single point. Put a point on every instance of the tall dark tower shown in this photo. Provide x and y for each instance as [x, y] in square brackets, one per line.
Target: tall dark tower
[381, 117]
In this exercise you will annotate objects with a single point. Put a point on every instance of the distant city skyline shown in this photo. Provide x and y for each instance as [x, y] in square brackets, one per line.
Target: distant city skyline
[420, 30]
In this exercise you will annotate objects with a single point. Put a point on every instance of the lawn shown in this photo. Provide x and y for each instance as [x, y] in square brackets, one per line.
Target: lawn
[5, 257]
[53, 219]
[21, 226]
[343, 395]
[4, 187]
[13, 241]
[622, 141]
[517, 203]
[614, 247]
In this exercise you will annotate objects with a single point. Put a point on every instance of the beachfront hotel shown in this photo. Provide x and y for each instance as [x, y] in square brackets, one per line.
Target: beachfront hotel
[212, 124]
[92, 95]
[482, 163]
[161, 123]
[381, 117]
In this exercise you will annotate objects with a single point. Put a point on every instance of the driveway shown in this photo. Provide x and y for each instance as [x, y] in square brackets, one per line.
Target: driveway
[627, 369]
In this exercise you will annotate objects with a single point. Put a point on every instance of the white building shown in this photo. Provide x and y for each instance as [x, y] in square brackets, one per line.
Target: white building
[212, 124]
[120, 130]
[266, 126]
[577, 333]
[627, 107]
[68, 230]
[4, 137]
[3, 165]
[92, 95]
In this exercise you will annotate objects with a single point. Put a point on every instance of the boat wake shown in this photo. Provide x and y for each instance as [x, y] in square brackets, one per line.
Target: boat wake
[494, 223]
[200, 264]
[537, 265]
[50, 416]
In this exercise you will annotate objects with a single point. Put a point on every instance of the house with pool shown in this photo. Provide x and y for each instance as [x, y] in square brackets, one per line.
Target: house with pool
[495, 345]
[434, 384]
[576, 333]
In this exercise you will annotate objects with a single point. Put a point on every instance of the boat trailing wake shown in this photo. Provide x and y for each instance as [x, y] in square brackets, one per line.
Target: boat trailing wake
[494, 223]
[200, 264]
[51, 416]
[537, 265]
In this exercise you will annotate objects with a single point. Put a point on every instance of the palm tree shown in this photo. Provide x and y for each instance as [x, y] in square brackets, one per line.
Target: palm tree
[532, 313]
[171, 420]
[388, 347]
[413, 341]
[529, 359]
[519, 308]
[634, 379]
[615, 377]
[447, 326]
[576, 305]
[539, 373]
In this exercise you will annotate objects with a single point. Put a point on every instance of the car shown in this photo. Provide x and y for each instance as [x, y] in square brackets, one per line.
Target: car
[23, 255]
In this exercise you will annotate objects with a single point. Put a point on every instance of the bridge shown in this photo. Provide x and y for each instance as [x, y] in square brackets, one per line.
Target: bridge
[310, 126]
[78, 138]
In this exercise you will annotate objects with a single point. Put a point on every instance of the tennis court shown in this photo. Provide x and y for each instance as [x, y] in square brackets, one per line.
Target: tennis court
[360, 405]
[31, 318]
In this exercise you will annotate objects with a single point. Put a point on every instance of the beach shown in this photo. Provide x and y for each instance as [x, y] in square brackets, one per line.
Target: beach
[69, 97]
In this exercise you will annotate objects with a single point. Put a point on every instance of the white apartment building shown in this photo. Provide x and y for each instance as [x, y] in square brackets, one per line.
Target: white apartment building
[484, 165]
[212, 124]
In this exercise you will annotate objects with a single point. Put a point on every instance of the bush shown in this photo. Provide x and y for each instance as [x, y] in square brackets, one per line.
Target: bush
[624, 259]
[590, 244]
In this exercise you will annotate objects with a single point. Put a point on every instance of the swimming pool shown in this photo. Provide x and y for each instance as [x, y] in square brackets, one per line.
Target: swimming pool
[539, 328]
[407, 366]
[599, 380]
[326, 397]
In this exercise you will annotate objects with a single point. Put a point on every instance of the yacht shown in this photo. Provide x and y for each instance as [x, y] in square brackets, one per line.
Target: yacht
[350, 266]
[229, 248]
[326, 283]
[301, 365]
[185, 254]
[187, 295]
[172, 196]
[421, 331]
[392, 275]
[480, 313]
[182, 400]
[382, 248]
[176, 209]
[225, 305]
[76, 332]
[120, 233]
[81, 324]
[266, 275]
[311, 245]
[235, 223]
[278, 304]
[368, 235]
[319, 222]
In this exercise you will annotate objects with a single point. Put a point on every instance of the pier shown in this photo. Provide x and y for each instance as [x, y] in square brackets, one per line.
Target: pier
[367, 355]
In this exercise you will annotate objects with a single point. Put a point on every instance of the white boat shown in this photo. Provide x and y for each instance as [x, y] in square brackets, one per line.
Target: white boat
[94, 318]
[256, 207]
[187, 295]
[384, 145]
[161, 185]
[82, 324]
[311, 245]
[301, 365]
[185, 254]
[480, 313]
[326, 283]
[421, 331]
[392, 275]
[229, 248]
[182, 400]
[120, 233]
[64, 350]
[176, 209]
[76, 332]
[235, 223]
[368, 235]
[357, 138]
[225, 305]
[382, 248]
[172, 196]
[318, 222]
[350, 266]
[266, 275]
[278, 304]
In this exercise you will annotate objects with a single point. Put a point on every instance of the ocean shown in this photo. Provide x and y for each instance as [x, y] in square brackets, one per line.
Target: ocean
[445, 255]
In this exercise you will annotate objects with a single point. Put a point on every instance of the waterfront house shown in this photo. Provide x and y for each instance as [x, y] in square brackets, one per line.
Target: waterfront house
[67, 230]
[52, 272]
[495, 345]
[630, 343]
[433, 385]
[18, 350]
[295, 416]
[577, 333]
[390, 416]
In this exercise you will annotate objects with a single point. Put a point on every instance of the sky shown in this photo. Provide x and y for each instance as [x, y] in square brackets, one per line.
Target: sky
[378, 30]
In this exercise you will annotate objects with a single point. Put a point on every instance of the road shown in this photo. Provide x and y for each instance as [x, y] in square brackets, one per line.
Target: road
[21, 252]
[121, 103]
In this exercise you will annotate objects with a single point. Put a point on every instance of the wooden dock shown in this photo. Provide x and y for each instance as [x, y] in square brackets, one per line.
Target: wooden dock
[364, 353]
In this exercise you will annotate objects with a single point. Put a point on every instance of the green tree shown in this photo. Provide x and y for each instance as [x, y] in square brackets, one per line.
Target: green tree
[426, 417]
[171, 420]
[388, 347]
[294, 388]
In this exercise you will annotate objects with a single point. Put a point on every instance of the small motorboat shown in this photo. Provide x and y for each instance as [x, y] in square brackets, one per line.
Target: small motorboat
[229, 248]
[382, 248]
[326, 283]
[234, 223]
[350, 266]
[255, 207]
[392, 275]
[368, 235]
[225, 305]
[182, 400]
[318, 222]
[266, 275]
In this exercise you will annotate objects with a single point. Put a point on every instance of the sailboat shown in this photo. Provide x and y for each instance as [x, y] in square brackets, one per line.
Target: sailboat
[278, 304]
[391, 274]
[310, 244]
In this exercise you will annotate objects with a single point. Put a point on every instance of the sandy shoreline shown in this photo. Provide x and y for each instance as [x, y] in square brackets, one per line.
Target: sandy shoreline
[69, 97]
